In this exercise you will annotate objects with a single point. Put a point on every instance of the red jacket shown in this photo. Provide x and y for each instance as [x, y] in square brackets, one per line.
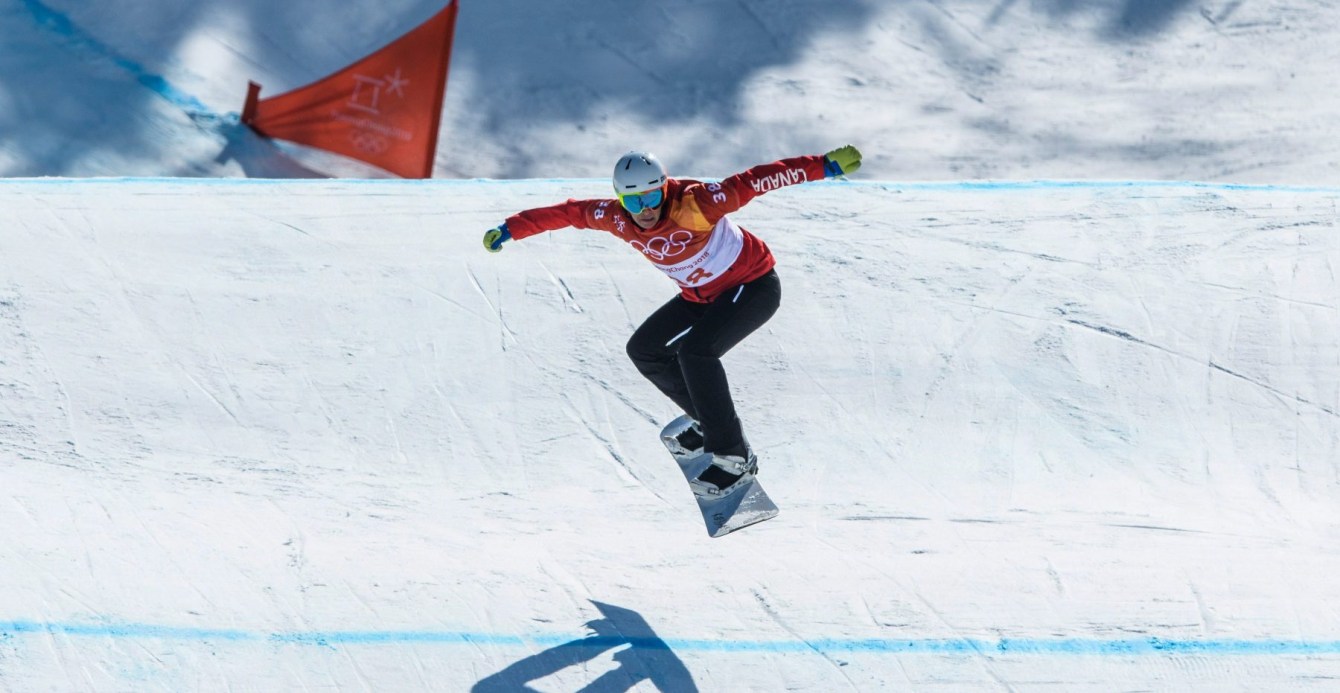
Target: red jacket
[694, 242]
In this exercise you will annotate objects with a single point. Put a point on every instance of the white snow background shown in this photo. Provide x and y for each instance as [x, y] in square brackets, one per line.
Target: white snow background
[1052, 402]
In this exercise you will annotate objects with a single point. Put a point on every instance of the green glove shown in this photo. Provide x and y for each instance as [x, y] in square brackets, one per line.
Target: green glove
[842, 161]
[494, 237]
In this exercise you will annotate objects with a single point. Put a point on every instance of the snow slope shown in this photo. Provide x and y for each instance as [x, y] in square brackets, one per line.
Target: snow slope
[1026, 436]
[1070, 427]
[1221, 90]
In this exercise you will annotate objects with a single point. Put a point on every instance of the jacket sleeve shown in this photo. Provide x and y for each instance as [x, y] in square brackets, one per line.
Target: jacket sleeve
[716, 200]
[580, 214]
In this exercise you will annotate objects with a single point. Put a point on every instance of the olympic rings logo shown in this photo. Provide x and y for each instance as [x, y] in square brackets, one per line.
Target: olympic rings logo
[661, 248]
[369, 142]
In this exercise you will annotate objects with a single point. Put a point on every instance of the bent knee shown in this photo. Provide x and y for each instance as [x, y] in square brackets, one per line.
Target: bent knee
[642, 350]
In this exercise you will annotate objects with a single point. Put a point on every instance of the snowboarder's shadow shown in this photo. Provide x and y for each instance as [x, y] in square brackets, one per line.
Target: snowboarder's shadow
[647, 658]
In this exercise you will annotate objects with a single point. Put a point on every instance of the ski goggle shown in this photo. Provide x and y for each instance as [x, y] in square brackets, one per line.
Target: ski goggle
[636, 202]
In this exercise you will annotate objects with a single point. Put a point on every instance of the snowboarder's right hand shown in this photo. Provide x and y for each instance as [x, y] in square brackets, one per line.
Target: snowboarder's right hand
[494, 238]
[842, 161]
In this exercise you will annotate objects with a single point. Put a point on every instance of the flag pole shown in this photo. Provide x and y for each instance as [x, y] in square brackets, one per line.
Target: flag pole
[253, 101]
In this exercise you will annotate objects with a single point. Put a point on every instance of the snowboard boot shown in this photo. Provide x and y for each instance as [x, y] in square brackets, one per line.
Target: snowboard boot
[689, 442]
[726, 474]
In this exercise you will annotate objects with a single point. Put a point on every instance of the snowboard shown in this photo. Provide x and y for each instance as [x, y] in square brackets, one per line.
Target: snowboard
[746, 504]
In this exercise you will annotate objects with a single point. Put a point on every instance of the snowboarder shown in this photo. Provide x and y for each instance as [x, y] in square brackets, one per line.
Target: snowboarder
[728, 285]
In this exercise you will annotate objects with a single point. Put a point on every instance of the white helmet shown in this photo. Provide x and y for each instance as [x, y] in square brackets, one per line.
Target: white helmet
[638, 172]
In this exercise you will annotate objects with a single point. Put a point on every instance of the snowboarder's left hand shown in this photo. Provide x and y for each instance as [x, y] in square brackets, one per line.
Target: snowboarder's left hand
[494, 238]
[842, 161]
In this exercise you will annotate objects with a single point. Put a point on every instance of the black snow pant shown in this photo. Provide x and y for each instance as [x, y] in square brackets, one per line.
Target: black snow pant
[679, 349]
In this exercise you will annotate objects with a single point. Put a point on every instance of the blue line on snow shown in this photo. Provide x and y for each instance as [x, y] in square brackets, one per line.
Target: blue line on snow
[124, 631]
[950, 646]
[1099, 185]
[60, 25]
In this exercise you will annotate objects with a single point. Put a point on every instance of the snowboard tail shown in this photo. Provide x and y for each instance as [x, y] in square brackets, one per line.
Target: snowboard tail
[746, 504]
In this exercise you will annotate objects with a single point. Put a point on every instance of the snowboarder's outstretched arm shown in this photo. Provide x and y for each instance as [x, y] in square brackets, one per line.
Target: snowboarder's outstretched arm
[720, 199]
[581, 214]
[712, 201]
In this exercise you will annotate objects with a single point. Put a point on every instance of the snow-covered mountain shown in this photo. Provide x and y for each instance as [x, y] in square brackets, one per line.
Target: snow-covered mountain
[1224, 90]
[1075, 428]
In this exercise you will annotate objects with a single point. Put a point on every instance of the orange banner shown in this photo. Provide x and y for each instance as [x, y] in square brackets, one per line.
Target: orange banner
[384, 109]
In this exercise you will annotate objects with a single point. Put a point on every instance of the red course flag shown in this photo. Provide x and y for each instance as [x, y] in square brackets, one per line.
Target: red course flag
[384, 109]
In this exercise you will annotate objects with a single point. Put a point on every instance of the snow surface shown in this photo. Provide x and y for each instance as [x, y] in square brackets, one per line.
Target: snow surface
[1051, 419]
[272, 436]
